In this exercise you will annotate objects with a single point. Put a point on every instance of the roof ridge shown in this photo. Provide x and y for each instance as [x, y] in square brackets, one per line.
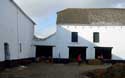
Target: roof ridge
[90, 9]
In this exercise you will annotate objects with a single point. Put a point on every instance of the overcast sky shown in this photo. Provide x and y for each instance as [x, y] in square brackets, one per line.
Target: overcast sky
[43, 12]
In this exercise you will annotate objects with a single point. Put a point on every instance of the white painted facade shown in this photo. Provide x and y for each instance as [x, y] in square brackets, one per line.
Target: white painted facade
[17, 30]
[107, 22]
[110, 36]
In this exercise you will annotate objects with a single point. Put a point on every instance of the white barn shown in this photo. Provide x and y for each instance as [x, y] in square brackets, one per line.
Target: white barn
[93, 33]
[16, 33]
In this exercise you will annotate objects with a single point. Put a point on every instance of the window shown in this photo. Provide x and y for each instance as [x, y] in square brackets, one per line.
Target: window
[74, 36]
[6, 50]
[20, 47]
[96, 37]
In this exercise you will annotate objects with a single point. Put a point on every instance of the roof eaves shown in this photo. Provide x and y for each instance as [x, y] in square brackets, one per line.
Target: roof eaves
[37, 38]
[88, 9]
[62, 10]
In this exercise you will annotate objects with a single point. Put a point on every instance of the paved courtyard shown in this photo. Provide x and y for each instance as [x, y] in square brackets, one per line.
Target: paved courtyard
[42, 70]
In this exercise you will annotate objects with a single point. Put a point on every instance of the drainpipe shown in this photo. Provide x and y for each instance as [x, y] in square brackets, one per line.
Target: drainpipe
[18, 31]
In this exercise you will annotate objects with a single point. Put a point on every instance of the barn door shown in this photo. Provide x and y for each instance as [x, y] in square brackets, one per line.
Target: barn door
[75, 51]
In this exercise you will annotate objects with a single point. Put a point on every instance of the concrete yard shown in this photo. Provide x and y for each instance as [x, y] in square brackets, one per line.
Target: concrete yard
[42, 70]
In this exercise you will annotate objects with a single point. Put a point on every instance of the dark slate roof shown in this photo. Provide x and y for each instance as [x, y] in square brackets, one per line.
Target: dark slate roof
[92, 16]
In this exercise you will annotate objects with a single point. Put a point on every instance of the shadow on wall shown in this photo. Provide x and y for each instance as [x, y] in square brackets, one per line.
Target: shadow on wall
[116, 57]
[62, 41]
[65, 38]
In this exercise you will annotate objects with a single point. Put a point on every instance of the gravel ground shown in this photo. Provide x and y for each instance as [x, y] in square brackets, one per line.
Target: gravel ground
[42, 70]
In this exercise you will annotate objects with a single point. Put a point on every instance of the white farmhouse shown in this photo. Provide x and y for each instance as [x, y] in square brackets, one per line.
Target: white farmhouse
[16, 33]
[94, 33]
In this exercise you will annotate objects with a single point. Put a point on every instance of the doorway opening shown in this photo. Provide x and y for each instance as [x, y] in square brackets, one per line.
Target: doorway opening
[44, 51]
[75, 51]
[103, 52]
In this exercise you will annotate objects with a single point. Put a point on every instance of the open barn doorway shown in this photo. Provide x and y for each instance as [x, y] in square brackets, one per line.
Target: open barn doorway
[44, 52]
[103, 53]
[74, 51]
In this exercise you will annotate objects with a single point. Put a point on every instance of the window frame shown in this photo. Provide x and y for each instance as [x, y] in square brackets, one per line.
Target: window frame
[96, 37]
[74, 36]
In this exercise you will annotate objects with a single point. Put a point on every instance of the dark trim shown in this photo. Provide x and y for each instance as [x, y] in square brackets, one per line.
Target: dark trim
[66, 61]
[78, 46]
[17, 62]
[61, 60]
[102, 47]
[2, 66]
[113, 61]
[45, 45]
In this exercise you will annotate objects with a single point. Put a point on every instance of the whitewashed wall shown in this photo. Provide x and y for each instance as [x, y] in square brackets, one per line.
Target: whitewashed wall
[15, 28]
[110, 36]
[51, 41]
[26, 32]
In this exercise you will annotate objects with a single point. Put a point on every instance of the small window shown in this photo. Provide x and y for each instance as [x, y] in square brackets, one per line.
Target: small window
[74, 36]
[6, 50]
[20, 47]
[96, 37]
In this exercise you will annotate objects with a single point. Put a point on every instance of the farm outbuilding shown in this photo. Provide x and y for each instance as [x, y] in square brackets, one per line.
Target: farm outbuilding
[92, 32]
[16, 34]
